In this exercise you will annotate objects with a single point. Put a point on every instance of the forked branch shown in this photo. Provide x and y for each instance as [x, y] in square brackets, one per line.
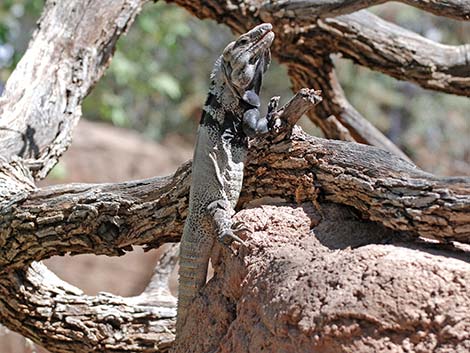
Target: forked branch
[70, 50]
[305, 29]
[400, 53]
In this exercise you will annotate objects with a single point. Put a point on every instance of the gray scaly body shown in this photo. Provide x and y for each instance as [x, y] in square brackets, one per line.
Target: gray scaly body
[230, 117]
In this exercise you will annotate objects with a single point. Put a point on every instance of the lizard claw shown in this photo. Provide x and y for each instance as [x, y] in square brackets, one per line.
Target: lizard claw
[274, 123]
[240, 228]
[273, 104]
[228, 237]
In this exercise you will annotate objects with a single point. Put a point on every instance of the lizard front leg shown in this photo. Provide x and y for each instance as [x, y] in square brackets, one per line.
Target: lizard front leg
[222, 212]
[255, 125]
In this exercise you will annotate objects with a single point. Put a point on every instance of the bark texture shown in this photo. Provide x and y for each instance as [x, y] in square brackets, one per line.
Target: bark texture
[381, 186]
[290, 288]
[292, 291]
[69, 51]
[306, 9]
[305, 169]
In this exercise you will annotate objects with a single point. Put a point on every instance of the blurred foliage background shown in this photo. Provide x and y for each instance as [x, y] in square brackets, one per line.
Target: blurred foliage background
[158, 80]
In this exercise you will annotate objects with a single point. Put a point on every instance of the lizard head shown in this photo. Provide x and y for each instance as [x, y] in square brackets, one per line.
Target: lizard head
[246, 59]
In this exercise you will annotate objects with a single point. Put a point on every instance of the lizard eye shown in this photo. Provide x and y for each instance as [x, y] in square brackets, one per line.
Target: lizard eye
[243, 41]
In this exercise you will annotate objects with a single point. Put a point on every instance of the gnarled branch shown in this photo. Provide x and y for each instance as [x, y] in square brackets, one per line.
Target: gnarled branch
[63, 319]
[308, 9]
[309, 38]
[335, 116]
[94, 218]
[38, 117]
[383, 187]
[395, 51]
[106, 219]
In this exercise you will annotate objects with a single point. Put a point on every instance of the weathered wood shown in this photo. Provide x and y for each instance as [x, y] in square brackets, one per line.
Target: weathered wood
[400, 53]
[158, 289]
[305, 43]
[383, 187]
[70, 50]
[102, 219]
[108, 218]
[60, 317]
[308, 9]
[336, 117]
[288, 115]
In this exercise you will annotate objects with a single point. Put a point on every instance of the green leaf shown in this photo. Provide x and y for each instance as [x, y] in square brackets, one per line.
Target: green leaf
[166, 85]
[119, 117]
[125, 69]
[59, 172]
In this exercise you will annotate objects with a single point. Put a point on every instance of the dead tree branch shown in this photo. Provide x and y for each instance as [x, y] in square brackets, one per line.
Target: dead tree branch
[67, 55]
[395, 51]
[308, 9]
[63, 319]
[383, 187]
[102, 219]
[336, 116]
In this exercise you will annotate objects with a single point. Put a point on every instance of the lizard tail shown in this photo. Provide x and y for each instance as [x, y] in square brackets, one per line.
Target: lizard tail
[194, 258]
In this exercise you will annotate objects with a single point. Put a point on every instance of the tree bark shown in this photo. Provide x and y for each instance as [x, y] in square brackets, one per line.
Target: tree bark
[109, 218]
[306, 9]
[61, 318]
[401, 296]
[69, 52]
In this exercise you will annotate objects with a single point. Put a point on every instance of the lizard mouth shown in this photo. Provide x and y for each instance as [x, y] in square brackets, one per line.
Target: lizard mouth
[261, 45]
[265, 29]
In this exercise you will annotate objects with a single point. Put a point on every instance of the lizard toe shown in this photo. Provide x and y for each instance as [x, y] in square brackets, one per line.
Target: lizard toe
[228, 237]
[240, 228]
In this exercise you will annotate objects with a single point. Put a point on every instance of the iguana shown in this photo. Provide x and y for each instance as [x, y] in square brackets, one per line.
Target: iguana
[230, 117]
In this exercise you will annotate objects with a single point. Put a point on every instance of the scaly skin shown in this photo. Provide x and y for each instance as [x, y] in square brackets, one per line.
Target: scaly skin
[230, 117]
